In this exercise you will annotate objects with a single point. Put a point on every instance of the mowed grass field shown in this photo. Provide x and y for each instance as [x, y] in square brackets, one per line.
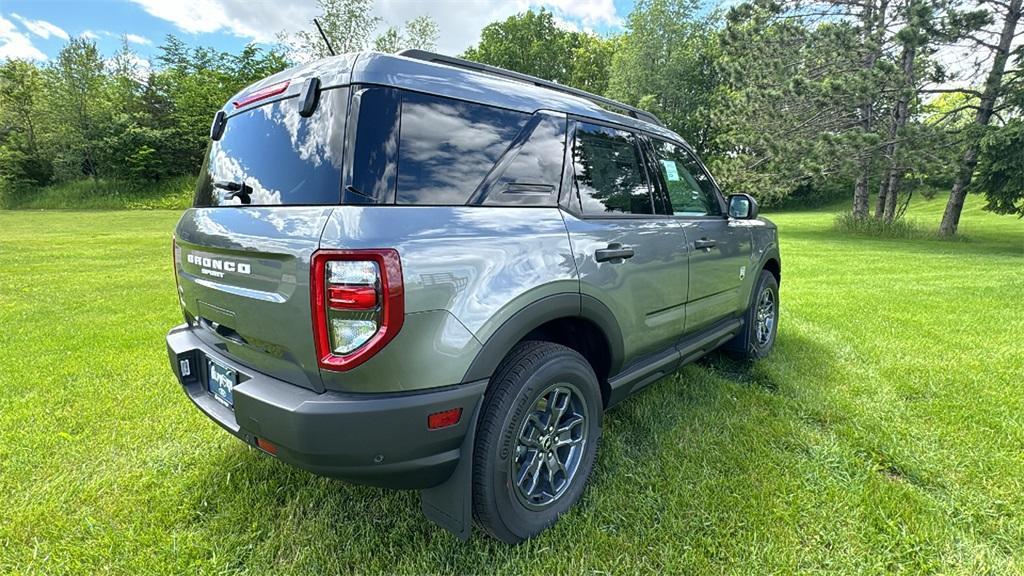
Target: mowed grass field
[885, 435]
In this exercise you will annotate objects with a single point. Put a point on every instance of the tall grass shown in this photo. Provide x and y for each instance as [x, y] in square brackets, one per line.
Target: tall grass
[103, 194]
[903, 228]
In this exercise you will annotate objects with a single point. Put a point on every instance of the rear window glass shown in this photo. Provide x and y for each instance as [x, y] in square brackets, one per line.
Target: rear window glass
[447, 147]
[271, 155]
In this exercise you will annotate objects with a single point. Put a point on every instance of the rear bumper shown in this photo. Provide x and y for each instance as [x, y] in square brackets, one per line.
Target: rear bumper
[376, 439]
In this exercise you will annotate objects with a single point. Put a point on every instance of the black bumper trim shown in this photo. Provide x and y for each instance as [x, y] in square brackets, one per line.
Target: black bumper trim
[376, 439]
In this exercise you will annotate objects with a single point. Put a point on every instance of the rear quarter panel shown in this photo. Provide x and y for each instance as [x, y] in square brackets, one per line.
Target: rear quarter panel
[466, 270]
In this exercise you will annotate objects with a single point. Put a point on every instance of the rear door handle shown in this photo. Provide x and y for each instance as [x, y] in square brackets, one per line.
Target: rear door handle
[704, 243]
[614, 253]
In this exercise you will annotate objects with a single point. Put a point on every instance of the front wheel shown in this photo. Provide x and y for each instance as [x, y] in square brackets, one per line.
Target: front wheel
[536, 440]
[760, 322]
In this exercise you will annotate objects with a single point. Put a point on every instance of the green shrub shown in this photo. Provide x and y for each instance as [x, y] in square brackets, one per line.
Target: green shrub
[107, 194]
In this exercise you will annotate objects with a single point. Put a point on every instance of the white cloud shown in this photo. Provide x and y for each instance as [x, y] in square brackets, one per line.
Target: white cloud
[41, 28]
[567, 25]
[459, 21]
[16, 45]
[136, 39]
[89, 35]
[589, 12]
[259, 21]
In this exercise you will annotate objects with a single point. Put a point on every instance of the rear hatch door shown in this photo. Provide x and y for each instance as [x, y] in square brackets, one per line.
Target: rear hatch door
[242, 254]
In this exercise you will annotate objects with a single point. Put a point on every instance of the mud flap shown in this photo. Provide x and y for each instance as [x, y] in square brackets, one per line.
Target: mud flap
[450, 504]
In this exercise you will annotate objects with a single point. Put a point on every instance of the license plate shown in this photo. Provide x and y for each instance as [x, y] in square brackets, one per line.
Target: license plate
[221, 381]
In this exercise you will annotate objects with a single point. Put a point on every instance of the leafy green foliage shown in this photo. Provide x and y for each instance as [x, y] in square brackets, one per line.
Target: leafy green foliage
[787, 117]
[534, 44]
[1000, 171]
[665, 63]
[1001, 168]
[22, 131]
[87, 117]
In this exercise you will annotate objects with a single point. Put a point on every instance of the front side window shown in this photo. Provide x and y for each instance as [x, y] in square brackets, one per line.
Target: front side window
[448, 146]
[608, 173]
[690, 189]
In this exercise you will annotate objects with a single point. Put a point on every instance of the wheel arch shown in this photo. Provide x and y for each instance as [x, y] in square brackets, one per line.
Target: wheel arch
[773, 265]
[578, 321]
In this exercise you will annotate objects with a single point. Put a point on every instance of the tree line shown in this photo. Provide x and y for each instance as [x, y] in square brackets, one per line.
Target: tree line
[788, 101]
[85, 115]
[812, 100]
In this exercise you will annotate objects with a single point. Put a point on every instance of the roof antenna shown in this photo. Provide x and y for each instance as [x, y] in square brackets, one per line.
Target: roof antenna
[324, 36]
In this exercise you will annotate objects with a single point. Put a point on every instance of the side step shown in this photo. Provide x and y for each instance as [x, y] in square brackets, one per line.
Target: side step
[662, 364]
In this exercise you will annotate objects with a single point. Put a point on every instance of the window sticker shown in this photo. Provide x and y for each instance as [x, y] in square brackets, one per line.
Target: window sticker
[671, 172]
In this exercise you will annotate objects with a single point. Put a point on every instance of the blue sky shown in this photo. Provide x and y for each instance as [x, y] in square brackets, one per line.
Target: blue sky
[36, 29]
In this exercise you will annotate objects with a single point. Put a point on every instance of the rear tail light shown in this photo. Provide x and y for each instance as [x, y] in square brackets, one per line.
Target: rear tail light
[358, 304]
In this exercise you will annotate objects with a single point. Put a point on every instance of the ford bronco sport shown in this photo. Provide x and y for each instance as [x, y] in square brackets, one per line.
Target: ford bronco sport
[420, 272]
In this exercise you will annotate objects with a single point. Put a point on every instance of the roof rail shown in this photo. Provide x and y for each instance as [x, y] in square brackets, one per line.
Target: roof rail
[495, 71]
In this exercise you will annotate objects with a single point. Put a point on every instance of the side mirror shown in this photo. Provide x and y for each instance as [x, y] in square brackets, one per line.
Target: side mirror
[742, 206]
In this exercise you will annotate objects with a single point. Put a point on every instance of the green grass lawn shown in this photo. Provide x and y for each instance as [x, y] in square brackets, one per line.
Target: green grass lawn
[884, 435]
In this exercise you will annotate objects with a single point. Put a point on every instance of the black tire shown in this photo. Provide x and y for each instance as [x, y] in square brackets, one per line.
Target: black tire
[502, 507]
[747, 345]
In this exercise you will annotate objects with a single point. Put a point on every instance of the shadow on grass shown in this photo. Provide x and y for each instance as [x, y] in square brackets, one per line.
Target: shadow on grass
[256, 512]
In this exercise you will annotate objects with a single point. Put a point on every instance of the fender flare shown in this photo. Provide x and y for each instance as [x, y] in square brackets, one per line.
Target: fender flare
[771, 253]
[538, 313]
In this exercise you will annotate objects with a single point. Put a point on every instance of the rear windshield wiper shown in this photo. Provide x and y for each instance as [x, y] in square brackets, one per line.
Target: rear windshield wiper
[239, 190]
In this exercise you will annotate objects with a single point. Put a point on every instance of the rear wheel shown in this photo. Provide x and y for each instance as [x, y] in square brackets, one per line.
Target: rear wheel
[761, 321]
[536, 440]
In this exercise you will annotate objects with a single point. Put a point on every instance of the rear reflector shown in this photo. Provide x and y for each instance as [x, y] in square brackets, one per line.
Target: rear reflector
[262, 93]
[444, 419]
[266, 446]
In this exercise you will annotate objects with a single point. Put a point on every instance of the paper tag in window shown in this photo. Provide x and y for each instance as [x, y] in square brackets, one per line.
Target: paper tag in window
[671, 172]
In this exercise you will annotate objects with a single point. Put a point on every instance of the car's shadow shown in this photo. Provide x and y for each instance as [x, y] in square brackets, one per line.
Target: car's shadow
[255, 512]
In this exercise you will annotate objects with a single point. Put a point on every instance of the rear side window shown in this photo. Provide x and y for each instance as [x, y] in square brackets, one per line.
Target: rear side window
[270, 155]
[373, 154]
[447, 147]
[690, 189]
[608, 173]
[530, 172]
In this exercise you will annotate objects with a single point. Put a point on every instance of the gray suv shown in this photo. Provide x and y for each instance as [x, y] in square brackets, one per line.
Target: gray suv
[420, 272]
